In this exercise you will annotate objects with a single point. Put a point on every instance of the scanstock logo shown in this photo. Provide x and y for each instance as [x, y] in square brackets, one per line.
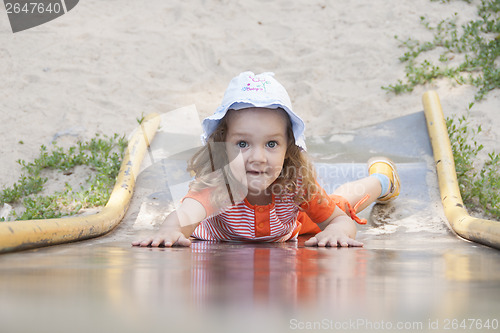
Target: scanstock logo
[31, 13]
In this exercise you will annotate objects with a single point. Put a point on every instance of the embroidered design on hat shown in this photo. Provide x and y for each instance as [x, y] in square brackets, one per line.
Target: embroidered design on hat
[257, 84]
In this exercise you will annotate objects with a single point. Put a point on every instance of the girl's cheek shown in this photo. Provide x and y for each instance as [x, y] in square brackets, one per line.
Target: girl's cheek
[237, 166]
[276, 171]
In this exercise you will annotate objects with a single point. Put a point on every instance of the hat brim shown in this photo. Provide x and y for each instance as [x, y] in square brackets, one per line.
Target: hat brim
[210, 123]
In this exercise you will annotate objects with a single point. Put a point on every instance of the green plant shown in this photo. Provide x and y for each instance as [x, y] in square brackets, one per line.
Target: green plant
[477, 42]
[103, 155]
[141, 119]
[479, 187]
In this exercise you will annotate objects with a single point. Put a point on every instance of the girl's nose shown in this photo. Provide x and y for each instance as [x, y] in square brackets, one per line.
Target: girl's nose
[257, 154]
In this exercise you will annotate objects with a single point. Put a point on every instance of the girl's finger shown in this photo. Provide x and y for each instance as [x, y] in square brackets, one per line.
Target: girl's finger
[356, 243]
[345, 242]
[183, 241]
[327, 242]
[313, 241]
[157, 242]
[146, 242]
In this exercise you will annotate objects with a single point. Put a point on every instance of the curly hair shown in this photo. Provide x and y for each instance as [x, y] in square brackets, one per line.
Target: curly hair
[298, 175]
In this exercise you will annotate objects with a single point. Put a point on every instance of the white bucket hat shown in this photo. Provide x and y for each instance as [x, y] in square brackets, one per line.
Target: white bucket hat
[250, 90]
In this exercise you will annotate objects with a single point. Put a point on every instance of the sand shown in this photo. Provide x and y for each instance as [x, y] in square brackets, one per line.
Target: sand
[102, 65]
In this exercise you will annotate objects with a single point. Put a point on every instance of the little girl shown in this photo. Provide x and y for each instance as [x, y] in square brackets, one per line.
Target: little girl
[254, 181]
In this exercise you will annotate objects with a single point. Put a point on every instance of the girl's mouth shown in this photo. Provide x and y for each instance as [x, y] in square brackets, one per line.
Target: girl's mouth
[254, 173]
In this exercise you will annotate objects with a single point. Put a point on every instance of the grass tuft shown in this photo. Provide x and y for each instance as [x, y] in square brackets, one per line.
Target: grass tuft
[479, 186]
[102, 154]
[478, 41]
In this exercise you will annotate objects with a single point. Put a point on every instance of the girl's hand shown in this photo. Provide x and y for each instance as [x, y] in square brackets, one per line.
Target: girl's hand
[177, 226]
[324, 238]
[167, 238]
[338, 230]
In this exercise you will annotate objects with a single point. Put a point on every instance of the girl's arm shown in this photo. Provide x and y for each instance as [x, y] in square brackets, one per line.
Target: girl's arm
[338, 230]
[177, 227]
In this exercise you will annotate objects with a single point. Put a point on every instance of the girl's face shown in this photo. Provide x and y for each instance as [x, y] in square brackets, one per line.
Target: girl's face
[260, 135]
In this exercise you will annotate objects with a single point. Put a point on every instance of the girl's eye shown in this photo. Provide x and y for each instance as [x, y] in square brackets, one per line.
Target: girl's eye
[242, 144]
[272, 144]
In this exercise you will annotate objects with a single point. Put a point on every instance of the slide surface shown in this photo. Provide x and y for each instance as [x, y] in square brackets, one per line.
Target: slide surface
[413, 270]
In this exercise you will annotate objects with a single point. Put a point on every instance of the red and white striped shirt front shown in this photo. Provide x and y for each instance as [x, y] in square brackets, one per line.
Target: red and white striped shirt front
[276, 222]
